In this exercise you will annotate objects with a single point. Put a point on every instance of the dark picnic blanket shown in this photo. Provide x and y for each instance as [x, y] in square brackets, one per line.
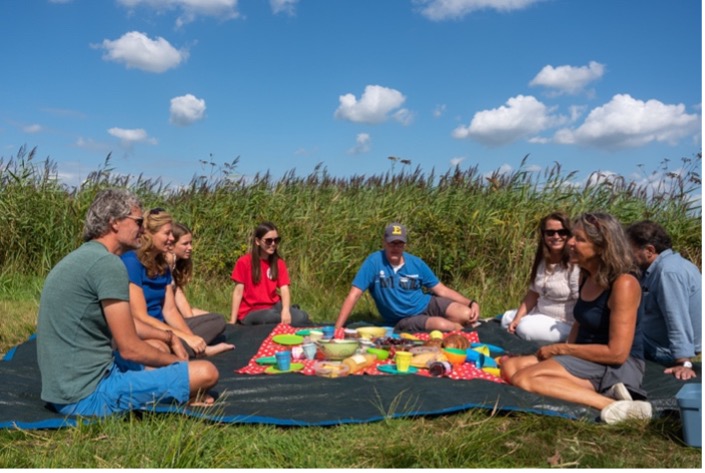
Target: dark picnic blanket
[296, 400]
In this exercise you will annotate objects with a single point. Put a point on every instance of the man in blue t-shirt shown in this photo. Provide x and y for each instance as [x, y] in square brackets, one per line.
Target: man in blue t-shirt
[406, 292]
[672, 300]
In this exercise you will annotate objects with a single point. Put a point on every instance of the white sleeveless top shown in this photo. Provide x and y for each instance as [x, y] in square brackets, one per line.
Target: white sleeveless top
[557, 287]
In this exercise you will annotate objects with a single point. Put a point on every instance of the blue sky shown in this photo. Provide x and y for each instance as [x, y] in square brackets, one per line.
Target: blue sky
[597, 85]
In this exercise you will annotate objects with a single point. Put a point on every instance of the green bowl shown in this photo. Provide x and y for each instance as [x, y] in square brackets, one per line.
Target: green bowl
[379, 353]
[336, 349]
[456, 356]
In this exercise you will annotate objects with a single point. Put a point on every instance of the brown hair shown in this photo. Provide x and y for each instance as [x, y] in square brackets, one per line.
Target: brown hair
[609, 238]
[261, 230]
[647, 232]
[153, 260]
[542, 251]
[183, 268]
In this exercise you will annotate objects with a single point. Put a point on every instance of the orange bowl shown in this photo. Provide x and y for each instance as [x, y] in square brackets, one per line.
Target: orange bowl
[455, 356]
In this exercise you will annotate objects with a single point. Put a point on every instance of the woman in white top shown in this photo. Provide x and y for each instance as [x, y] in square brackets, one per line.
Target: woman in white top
[546, 313]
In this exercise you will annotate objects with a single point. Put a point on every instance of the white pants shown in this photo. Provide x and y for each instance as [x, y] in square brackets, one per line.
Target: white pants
[538, 327]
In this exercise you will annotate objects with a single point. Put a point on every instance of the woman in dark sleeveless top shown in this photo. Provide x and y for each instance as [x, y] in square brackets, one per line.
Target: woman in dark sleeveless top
[601, 364]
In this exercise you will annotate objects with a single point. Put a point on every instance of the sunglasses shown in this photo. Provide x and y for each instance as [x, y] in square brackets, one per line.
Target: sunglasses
[271, 241]
[138, 220]
[562, 232]
[156, 210]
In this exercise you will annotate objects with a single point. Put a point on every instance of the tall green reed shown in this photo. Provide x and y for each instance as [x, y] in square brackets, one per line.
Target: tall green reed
[477, 232]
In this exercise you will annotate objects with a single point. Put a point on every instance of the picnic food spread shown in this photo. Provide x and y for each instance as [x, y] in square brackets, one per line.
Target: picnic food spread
[374, 351]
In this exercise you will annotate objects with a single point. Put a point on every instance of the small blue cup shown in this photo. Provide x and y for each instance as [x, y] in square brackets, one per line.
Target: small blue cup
[283, 360]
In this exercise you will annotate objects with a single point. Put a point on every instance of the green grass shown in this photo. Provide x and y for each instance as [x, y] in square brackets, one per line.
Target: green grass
[471, 439]
[476, 232]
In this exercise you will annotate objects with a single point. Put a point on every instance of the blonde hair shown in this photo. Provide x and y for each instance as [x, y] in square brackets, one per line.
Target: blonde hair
[153, 260]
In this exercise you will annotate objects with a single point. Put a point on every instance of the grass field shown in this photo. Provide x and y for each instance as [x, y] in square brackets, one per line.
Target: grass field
[476, 232]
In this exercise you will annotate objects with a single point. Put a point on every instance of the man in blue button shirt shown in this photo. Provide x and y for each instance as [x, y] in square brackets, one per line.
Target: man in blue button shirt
[406, 292]
[672, 299]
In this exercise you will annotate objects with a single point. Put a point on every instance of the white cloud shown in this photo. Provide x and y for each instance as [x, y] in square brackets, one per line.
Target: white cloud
[625, 122]
[186, 110]
[404, 116]
[456, 161]
[283, 6]
[438, 10]
[90, 144]
[439, 110]
[190, 9]
[136, 50]
[362, 145]
[568, 79]
[521, 117]
[129, 137]
[33, 128]
[374, 105]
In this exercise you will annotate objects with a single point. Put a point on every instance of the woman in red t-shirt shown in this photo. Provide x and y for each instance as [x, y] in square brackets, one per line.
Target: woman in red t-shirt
[257, 277]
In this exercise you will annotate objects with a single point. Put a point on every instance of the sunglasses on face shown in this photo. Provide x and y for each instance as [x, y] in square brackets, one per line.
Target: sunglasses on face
[138, 220]
[562, 232]
[272, 241]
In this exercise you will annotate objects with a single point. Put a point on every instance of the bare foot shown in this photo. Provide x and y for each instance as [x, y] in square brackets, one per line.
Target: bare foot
[212, 350]
[204, 400]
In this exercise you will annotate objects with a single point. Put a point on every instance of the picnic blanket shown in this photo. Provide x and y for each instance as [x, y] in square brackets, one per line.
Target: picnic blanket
[269, 347]
[296, 400]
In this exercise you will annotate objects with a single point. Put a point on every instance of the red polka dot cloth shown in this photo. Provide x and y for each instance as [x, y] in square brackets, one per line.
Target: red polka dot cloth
[269, 347]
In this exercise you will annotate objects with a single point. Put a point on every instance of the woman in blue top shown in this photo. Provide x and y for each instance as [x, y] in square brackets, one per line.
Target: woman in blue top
[602, 363]
[151, 296]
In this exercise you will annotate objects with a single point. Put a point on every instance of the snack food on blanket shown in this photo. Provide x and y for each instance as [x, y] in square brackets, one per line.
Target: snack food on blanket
[330, 369]
[422, 360]
[434, 342]
[456, 341]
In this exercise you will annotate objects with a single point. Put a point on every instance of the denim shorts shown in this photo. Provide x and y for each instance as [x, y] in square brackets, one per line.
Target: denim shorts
[129, 386]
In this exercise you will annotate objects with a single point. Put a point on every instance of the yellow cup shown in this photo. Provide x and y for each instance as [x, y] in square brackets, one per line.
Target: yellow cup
[403, 359]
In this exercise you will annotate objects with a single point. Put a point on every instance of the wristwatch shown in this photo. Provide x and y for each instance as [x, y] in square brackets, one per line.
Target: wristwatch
[687, 364]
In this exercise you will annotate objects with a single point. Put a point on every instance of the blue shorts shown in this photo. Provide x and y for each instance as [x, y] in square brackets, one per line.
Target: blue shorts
[128, 386]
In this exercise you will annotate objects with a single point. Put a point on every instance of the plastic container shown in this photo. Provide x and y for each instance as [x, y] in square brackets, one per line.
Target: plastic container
[359, 362]
[330, 369]
[690, 403]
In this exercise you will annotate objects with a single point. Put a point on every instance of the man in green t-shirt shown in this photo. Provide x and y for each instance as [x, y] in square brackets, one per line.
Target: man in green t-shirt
[84, 313]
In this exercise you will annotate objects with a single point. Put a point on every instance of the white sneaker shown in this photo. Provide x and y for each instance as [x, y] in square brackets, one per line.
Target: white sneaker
[618, 392]
[620, 411]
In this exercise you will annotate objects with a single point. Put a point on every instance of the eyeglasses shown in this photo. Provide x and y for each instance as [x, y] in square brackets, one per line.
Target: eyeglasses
[562, 232]
[156, 210]
[138, 220]
[271, 241]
